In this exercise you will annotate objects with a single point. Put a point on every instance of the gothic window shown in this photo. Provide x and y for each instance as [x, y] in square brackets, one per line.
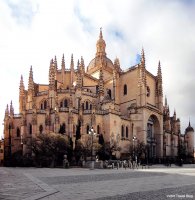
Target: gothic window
[41, 129]
[87, 105]
[45, 105]
[41, 106]
[90, 107]
[125, 90]
[62, 128]
[148, 91]
[65, 103]
[150, 128]
[110, 93]
[122, 131]
[30, 129]
[87, 129]
[98, 129]
[97, 89]
[127, 132]
[18, 132]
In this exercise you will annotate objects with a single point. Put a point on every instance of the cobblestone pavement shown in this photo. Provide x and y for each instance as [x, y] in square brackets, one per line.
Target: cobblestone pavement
[158, 182]
[14, 185]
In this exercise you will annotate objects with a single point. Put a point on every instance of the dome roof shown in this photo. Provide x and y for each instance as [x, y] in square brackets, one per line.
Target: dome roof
[98, 61]
[189, 128]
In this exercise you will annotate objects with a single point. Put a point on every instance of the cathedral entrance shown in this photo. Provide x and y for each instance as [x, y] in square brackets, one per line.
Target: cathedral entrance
[153, 129]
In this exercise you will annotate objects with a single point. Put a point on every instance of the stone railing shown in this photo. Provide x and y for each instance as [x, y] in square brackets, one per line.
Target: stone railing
[87, 111]
[101, 112]
[89, 94]
[63, 90]
[40, 111]
[75, 111]
[63, 109]
[42, 93]
[17, 115]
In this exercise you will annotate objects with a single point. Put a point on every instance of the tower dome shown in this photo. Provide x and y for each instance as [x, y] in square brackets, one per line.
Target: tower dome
[189, 128]
[100, 59]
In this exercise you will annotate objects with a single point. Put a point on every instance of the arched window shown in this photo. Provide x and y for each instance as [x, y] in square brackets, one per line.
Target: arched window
[18, 132]
[41, 129]
[82, 106]
[122, 131]
[65, 103]
[87, 129]
[98, 129]
[127, 132]
[87, 105]
[62, 128]
[90, 107]
[30, 129]
[41, 106]
[45, 104]
[150, 128]
[125, 90]
[110, 93]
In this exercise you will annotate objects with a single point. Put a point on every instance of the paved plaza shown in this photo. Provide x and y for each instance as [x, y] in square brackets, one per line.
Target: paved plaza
[157, 182]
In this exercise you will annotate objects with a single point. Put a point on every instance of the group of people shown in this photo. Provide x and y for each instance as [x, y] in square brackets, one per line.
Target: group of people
[132, 163]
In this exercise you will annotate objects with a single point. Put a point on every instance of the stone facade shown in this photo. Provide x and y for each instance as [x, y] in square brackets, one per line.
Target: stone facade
[119, 104]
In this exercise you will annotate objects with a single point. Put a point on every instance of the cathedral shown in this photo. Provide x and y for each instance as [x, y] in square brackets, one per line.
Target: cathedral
[125, 106]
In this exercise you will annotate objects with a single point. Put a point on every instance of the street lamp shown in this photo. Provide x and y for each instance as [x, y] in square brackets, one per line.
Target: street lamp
[134, 139]
[92, 133]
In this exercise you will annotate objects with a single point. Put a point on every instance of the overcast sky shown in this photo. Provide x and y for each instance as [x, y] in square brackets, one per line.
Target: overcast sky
[34, 31]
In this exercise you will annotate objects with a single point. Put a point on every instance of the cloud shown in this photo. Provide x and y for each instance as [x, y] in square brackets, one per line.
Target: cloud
[32, 32]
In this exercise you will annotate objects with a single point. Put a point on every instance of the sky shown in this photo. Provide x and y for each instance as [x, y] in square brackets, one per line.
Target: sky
[34, 31]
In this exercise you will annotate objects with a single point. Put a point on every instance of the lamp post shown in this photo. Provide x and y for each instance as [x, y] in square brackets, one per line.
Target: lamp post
[134, 139]
[92, 133]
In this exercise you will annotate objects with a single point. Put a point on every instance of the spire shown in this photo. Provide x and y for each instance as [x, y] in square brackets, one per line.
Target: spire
[71, 71]
[55, 63]
[52, 75]
[78, 65]
[174, 114]
[159, 73]
[100, 45]
[30, 80]
[166, 101]
[79, 76]
[21, 88]
[159, 80]
[189, 128]
[189, 124]
[143, 57]
[72, 63]
[82, 66]
[101, 36]
[11, 109]
[117, 64]
[7, 110]
[63, 63]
